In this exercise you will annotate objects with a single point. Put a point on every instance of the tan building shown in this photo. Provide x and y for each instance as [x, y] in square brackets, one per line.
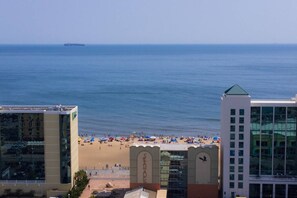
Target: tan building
[38, 149]
[183, 170]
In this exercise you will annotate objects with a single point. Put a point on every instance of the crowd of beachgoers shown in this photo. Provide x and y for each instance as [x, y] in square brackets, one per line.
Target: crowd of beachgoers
[86, 138]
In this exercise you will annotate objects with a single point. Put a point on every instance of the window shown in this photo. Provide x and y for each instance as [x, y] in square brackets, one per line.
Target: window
[241, 111]
[232, 153]
[241, 120]
[240, 160]
[231, 177]
[232, 128]
[264, 144]
[240, 136]
[240, 169]
[240, 153]
[232, 136]
[241, 128]
[232, 144]
[232, 160]
[240, 144]
[240, 177]
[240, 185]
[232, 120]
[231, 168]
[231, 185]
[232, 111]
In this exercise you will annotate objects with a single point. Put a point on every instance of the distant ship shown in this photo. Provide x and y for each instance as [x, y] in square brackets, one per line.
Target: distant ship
[74, 44]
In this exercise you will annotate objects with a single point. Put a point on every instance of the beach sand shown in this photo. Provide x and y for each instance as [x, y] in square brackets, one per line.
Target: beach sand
[97, 156]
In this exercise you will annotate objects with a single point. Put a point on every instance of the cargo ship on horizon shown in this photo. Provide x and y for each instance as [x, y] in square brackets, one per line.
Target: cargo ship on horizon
[74, 44]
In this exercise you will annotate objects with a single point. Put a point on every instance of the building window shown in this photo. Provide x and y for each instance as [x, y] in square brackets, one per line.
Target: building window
[241, 111]
[231, 168]
[65, 154]
[241, 136]
[240, 160]
[240, 169]
[232, 144]
[232, 128]
[255, 191]
[241, 128]
[231, 177]
[232, 136]
[232, 160]
[22, 136]
[240, 153]
[232, 153]
[280, 190]
[241, 120]
[240, 185]
[240, 177]
[232, 120]
[240, 144]
[231, 185]
[232, 111]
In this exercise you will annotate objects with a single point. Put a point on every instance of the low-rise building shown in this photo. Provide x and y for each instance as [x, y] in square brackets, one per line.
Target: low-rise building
[184, 170]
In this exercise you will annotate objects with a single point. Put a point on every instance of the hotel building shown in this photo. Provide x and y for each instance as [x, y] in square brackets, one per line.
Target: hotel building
[183, 170]
[258, 145]
[38, 148]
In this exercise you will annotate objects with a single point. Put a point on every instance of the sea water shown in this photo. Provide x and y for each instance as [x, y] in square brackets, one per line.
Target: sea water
[155, 89]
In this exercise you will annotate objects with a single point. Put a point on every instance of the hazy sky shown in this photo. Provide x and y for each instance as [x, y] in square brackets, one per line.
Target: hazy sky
[148, 21]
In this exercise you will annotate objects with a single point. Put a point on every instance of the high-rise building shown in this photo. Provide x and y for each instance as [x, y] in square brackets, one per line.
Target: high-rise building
[258, 145]
[38, 148]
[183, 170]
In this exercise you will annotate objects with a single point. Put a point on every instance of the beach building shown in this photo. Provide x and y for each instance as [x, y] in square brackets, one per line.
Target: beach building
[258, 146]
[183, 170]
[38, 149]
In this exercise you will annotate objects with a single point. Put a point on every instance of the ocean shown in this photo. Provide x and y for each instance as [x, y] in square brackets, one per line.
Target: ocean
[154, 89]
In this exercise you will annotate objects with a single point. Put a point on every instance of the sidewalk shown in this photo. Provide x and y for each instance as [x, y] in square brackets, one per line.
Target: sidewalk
[119, 179]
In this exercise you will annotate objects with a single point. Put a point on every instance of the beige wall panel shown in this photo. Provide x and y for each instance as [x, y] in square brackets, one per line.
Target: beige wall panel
[52, 148]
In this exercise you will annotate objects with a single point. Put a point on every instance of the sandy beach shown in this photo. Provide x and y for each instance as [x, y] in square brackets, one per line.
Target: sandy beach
[98, 155]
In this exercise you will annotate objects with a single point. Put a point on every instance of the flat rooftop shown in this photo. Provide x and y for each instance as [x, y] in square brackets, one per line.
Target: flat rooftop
[36, 108]
[274, 101]
[175, 147]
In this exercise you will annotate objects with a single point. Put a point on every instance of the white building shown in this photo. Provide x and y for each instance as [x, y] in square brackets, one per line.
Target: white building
[259, 152]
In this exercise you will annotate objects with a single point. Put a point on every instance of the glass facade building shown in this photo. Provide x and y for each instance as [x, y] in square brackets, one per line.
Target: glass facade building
[22, 146]
[269, 139]
[273, 141]
[173, 175]
[38, 148]
[65, 155]
[273, 150]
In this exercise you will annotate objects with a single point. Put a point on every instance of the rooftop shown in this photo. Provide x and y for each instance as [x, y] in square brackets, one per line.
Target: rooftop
[275, 101]
[176, 147]
[235, 90]
[34, 108]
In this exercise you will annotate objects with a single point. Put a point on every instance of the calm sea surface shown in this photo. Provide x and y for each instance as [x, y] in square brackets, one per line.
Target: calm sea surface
[168, 89]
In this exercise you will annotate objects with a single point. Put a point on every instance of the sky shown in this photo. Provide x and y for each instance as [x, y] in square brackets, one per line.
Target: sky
[148, 21]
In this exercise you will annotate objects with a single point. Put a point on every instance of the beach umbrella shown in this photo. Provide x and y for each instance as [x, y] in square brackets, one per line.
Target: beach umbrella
[216, 138]
[103, 139]
[153, 137]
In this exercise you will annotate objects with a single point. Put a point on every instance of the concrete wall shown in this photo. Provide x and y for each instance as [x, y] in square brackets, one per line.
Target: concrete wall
[196, 152]
[236, 102]
[74, 144]
[154, 151]
[203, 172]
